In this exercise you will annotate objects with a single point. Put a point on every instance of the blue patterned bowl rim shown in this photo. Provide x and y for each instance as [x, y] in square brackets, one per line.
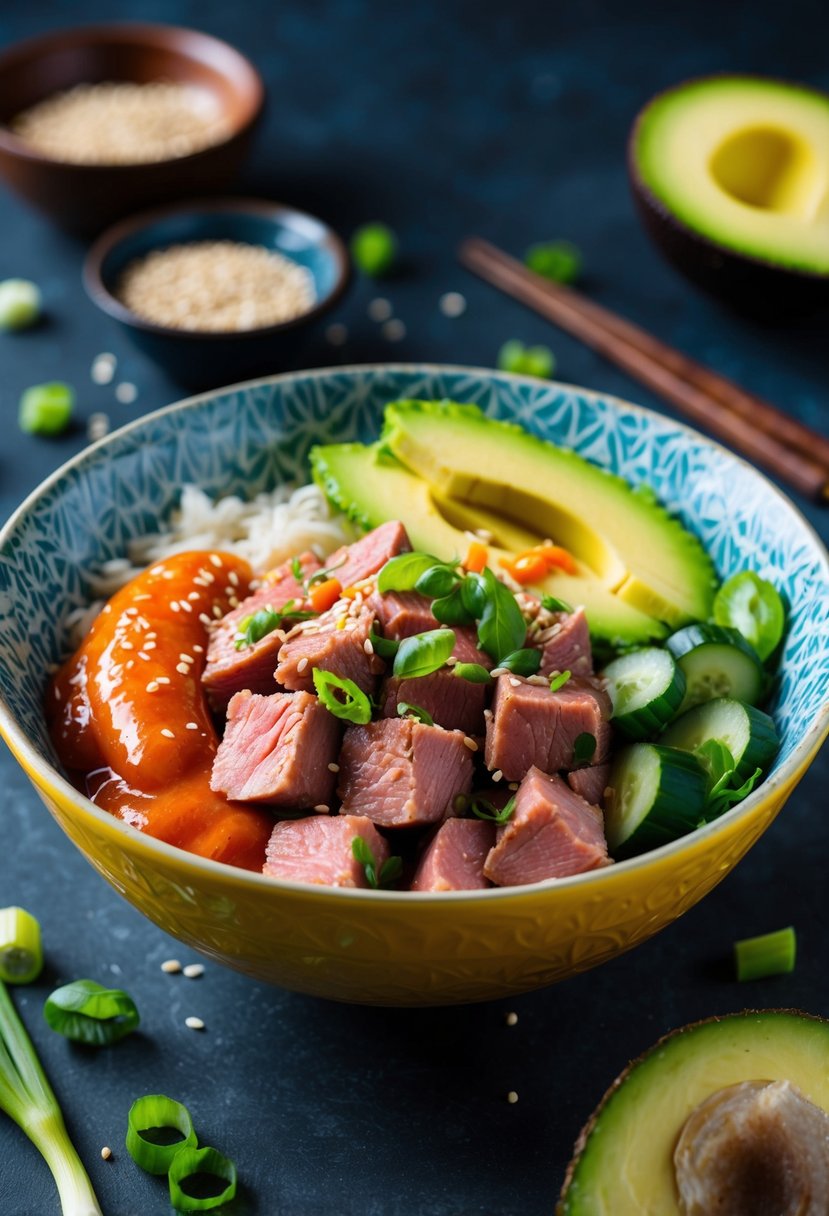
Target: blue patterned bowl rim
[797, 759]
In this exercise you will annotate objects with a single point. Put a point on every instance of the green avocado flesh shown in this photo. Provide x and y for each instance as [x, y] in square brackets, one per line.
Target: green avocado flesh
[744, 162]
[623, 1164]
[445, 469]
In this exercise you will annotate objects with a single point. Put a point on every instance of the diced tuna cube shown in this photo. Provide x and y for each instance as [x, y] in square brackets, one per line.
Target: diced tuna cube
[336, 642]
[318, 850]
[451, 701]
[366, 556]
[566, 645]
[532, 725]
[229, 670]
[277, 750]
[403, 613]
[552, 833]
[590, 783]
[401, 773]
[454, 858]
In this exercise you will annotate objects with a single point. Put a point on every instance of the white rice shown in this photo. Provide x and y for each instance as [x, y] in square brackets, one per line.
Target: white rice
[268, 530]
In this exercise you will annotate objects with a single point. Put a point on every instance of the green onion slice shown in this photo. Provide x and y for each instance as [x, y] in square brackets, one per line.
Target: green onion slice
[21, 954]
[770, 954]
[405, 710]
[45, 409]
[342, 697]
[157, 1129]
[559, 679]
[423, 653]
[87, 1012]
[196, 1176]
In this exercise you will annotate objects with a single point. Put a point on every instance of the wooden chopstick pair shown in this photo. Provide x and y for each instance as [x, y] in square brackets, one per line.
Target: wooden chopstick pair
[785, 447]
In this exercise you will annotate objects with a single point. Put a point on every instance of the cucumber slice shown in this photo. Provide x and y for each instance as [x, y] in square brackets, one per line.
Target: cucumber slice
[646, 688]
[716, 662]
[748, 733]
[656, 794]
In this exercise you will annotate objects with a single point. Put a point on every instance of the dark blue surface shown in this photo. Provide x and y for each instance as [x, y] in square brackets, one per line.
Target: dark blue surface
[442, 119]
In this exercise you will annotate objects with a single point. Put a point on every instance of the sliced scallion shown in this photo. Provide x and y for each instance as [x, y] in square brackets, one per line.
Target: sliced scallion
[405, 710]
[21, 954]
[769, 954]
[158, 1128]
[86, 1012]
[342, 697]
[196, 1177]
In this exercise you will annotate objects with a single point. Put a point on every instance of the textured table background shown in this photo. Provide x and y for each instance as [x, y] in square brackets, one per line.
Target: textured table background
[442, 119]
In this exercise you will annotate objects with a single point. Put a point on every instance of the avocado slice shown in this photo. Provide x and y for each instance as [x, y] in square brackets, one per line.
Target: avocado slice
[623, 1163]
[370, 486]
[731, 174]
[627, 541]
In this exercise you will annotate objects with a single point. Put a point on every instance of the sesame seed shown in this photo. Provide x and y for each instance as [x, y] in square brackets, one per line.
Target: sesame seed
[499, 671]
[208, 575]
[191, 726]
[452, 304]
[337, 334]
[217, 612]
[194, 970]
[130, 664]
[186, 658]
[106, 1152]
[200, 582]
[194, 595]
[171, 966]
[142, 623]
[167, 733]
[164, 679]
[470, 743]
[215, 560]
[127, 646]
[513, 785]
[97, 426]
[451, 661]
[199, 649]
[321, 808]
[103, 368]
[156, 570]
[515, 682]
[168, 574]
[152, 634]
[194, 1023]
[176, 607]
[183, 668]
[187, 607]
[497, 775]
[380, 309]
[512, 1097]
[511, 1019]
[232, 601]
[150, 645]
[152, 686]
[367, 646]
[233, 578]
[205, 620]
[126, 392]
[142, 597]
[130, 612]
[394, 330]
[301, 665]
[333, 768]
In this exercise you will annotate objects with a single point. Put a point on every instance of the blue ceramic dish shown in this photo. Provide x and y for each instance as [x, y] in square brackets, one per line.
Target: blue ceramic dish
[198, 359]
[388, 947]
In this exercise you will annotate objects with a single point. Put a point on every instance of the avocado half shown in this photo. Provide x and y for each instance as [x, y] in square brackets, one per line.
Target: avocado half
[623, 1161]
[730, 175]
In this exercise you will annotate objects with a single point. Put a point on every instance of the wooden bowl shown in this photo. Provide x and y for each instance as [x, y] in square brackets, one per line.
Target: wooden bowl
[85, 198]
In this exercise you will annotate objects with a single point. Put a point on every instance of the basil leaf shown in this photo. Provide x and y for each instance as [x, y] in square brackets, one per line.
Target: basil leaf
[475, 673]
[717, 759]
[473, 594]
[405, 710]
[437, 581]
[553, 604]
[502, 628]
[390, 871]
[296, 569]
[385, 647]
[259, 624]
[450, 609]
[722, 799]
[424, 653]
[558, 681]
[584, 747]
[402, 572]
[342, 697]
[525, 662]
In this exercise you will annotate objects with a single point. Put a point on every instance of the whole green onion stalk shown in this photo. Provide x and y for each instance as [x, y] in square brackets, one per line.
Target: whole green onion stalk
[27, 1097]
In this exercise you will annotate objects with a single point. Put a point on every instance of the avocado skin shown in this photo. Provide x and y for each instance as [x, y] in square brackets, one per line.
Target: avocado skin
[747, 284]
[563, 1205]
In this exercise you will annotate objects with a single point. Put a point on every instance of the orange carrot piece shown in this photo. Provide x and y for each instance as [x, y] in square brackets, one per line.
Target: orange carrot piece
[325, 594]
[476, 557]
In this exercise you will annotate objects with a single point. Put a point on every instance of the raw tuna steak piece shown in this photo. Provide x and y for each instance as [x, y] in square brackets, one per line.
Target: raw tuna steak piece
[590, 783]
[318, 850]
[336, 642]
[277, 750]
[531, 725]
[451, 701]
[229, 670]
[454, 858]
[566, 645]
[366, 556]
[403, 613]
[401, 773]
[552, 833]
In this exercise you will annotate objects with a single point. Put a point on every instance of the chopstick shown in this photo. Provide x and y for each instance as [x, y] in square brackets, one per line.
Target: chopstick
[787, 448]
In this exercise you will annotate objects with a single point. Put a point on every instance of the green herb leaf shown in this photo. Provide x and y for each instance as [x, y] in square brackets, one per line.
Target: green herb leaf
[437, 581]
[46, 409]
[86, 1012]
[553, 604]
[584, 748]
[319, 576]
[296, 569]
[502, 628]
[475, 673]
[424, 653]
[482, 808]
[385, 647]
[450, 609]
[390, 870]
[524, 662]
[473, 594]
[558, 680]
[402, 572]
[259, 624]
[717, 759]
[559, 261]
[342, 697]
[374, 249]
[405, 710]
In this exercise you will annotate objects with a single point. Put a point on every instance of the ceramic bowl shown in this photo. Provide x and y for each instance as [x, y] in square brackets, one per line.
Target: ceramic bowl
[383, 947]
[198, 359]
[84, 198]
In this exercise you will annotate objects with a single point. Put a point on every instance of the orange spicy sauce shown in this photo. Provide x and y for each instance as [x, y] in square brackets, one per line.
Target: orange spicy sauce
[128, 715]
